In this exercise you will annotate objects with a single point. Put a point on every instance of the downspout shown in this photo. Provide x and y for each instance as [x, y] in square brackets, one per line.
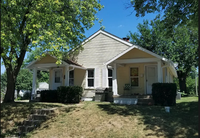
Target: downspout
[71, 69]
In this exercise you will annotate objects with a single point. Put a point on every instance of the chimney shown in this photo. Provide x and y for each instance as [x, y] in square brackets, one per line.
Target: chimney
[126, 39]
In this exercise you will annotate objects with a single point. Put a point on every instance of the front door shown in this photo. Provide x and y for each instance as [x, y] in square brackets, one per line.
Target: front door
[151, 77]
[57, 80]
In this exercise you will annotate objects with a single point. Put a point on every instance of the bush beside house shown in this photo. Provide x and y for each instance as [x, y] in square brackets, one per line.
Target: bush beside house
[164, 94]
[49, 96]
[63, 94]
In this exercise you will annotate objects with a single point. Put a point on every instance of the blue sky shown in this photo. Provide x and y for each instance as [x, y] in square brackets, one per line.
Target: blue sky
[117, 19]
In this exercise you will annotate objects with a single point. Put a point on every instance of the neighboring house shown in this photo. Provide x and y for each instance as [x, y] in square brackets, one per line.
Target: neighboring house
[43, 86]
[21, 93]
[107, 61]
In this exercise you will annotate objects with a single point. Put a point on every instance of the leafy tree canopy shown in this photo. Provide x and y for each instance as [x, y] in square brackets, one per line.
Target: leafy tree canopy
[50, 25]
[176, 12]
[24, 80]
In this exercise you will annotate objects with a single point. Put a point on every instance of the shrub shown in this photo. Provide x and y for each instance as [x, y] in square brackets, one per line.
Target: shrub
[49, 96]
[164, 94]
[62, 92]
[69, 94]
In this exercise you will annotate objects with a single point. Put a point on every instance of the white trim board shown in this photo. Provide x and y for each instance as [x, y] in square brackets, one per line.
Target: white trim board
[139, 60]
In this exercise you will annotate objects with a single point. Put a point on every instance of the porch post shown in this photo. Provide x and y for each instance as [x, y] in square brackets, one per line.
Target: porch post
[114, 88]
[160, 75]
[105, 76]
[67, 75]
[34, 83]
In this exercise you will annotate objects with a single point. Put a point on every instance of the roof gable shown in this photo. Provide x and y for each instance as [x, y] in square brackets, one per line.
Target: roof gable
[140, 48]
[136, 53]
[107, 34]
[51, 59]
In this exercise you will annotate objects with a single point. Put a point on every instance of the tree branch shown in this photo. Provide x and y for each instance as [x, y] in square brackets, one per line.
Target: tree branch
[24, 19]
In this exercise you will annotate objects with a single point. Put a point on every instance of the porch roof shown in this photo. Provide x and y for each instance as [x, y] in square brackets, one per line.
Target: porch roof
[169, 62]
[44, 66]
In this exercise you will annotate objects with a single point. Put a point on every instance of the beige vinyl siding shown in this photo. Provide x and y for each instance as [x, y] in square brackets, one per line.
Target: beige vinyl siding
[171, 78]
[136, 53]
[123, 77]
[164, 75]
[46, 59]
[99, 50]
[79, 77]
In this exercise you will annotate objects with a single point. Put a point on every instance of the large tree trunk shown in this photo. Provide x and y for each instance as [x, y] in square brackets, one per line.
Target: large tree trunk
[12, 73]
[10, 92]
[182, 81]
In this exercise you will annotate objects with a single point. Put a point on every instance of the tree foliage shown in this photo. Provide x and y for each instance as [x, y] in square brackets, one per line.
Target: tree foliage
[184, 12]
[24, 80]
[190, 82]
[50, 25]
[180, 47]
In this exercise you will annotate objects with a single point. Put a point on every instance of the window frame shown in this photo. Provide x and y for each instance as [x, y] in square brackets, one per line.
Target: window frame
[90, 87]
[134, 76]
[71, 78]
[57, 78]
[54, 75]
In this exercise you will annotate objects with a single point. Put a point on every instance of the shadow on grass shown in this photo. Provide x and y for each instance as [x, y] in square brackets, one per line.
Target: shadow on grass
[182, 121]
[13, 114]
[45, 125]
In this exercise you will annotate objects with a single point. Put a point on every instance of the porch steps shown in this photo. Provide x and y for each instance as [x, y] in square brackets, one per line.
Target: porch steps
[37, 117]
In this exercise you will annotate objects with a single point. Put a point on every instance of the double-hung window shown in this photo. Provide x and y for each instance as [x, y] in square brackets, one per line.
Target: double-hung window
[57, 76]
[134, 76]
[71, 78]
[110, 77]
[90, 78]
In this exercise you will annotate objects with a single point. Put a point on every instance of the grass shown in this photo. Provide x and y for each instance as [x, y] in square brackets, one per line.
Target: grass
[12, 114]
[95, 119]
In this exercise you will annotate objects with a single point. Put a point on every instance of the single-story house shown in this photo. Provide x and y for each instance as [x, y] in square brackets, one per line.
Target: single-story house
[107, 61]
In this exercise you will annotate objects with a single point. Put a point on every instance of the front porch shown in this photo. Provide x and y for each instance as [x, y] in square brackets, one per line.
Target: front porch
[138, 69]
[59, 75]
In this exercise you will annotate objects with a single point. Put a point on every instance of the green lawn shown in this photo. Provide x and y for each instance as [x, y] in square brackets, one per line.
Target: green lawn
[95, 119]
